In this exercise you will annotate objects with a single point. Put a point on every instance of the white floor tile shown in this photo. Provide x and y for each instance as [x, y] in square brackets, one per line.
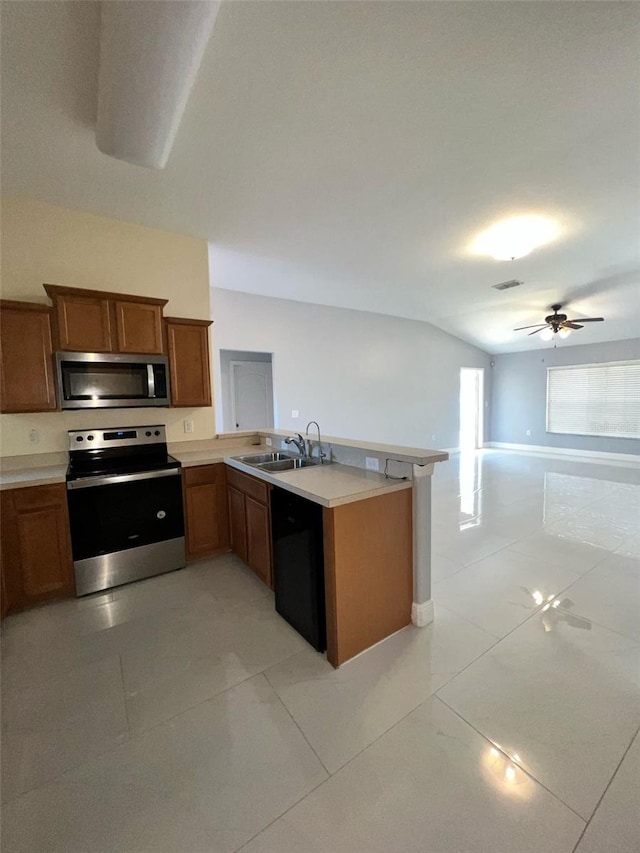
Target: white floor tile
[207, 781]
[575, 555]
[610, 595]
[430, 785]
[615, 826]
[342, 711]
[167, 675]
[61, 723]
[564, 695]
[499, 592]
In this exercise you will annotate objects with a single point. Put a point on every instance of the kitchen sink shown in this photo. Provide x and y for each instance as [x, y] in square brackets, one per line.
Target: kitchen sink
[289, 464]
[277, 461]
[260, 458]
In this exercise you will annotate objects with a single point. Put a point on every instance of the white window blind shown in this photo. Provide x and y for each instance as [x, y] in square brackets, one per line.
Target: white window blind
[595, 399]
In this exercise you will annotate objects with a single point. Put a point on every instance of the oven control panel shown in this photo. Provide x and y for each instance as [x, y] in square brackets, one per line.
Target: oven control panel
[99, 439]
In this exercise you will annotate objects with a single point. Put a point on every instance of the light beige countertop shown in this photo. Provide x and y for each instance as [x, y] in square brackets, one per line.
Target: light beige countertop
[209, 455]
[329, 485]
[397, 452]
[44, 476]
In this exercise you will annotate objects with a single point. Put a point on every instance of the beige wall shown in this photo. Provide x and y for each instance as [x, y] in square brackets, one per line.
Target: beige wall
[42, 243]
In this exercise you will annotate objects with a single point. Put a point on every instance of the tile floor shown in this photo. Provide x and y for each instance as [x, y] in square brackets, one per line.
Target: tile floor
[182, 714]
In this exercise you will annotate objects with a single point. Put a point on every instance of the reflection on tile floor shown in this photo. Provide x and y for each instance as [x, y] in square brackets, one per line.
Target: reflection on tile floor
[182, 714]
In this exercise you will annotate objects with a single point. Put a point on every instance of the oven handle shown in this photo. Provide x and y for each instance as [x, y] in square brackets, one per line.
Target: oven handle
[89, 482]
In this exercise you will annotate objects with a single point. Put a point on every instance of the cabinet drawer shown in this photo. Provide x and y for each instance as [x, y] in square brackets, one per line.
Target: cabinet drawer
[36, 497]
[201, 475]
[249, 485]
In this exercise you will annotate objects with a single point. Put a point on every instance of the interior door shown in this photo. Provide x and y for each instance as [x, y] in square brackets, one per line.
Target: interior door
[251, 395]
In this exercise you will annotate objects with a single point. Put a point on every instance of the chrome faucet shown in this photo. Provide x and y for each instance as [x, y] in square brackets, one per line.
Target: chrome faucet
[321, 454]
[299, 443]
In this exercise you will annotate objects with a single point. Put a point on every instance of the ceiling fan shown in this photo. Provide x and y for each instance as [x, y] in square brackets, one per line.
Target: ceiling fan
[558, 324]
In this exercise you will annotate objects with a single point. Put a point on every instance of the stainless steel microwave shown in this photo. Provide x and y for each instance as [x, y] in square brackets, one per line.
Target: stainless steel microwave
[95, 380]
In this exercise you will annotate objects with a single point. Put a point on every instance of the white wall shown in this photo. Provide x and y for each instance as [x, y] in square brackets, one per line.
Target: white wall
[42, 243]
[361, 375]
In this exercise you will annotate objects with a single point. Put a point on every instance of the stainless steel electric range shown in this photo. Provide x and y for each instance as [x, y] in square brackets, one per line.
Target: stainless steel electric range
[125, 506]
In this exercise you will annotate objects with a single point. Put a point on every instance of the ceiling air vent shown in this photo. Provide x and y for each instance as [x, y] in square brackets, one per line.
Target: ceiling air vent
[506, 285]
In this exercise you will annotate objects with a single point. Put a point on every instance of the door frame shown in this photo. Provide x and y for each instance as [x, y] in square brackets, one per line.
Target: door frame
[479, 433]
[232, 387]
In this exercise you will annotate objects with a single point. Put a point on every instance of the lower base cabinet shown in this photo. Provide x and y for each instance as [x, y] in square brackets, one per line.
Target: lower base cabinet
[37, 562]
[205, 508]
[250, 522]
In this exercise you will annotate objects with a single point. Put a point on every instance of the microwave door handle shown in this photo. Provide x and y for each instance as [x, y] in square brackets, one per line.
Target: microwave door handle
[151, 381]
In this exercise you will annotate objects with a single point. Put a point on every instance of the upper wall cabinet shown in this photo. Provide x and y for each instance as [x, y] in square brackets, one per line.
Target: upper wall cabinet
[188, 350]
[26, 360]
[96, 321]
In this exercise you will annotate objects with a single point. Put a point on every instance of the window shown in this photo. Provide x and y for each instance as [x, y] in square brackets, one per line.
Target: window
[595, 399]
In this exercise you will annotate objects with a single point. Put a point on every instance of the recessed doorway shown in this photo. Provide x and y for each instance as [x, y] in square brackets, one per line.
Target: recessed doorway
[471, 407]
[247, 390]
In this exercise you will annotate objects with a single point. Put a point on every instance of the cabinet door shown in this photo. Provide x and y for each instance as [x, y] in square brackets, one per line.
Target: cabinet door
[26, 358]
[139, 327]
[42, 545]
[258, 539]
[207, 521]
[237, 523]
[83, 323]
[8, 554]
[188, 346]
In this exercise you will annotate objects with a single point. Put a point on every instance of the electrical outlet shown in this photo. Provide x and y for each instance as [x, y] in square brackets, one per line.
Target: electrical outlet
[433, 437]
[188, 425]
[295, 413]
[371, 463]
[528, 432]
[268, 442]
[34, 436]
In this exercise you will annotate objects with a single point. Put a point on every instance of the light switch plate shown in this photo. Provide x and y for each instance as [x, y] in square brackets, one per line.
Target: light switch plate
[295, 413]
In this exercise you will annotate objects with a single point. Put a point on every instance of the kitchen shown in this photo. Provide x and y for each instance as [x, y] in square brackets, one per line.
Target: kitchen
[131, 469]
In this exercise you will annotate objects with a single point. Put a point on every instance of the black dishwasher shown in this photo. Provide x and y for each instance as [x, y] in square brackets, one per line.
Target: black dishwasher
[298, 565]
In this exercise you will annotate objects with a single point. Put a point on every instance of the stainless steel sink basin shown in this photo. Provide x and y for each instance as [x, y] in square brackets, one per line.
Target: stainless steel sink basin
[277, 461]
[289, 464]
[259, 458]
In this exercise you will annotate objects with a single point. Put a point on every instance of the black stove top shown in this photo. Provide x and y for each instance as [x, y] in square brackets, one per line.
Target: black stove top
[100, 467]
[113, 452]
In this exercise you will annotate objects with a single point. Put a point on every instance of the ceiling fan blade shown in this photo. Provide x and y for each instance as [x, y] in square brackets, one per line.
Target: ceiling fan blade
[587, 320]
[569, 324]
[538, 330]
[522, 328]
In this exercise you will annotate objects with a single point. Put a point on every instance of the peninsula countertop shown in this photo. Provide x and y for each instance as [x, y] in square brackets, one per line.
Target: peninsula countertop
[330, 485]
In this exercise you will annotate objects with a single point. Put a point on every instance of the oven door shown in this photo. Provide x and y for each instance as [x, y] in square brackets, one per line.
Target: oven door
[124, 528]
[96, 380]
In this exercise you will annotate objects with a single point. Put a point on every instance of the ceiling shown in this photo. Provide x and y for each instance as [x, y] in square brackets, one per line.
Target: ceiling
[348, 153]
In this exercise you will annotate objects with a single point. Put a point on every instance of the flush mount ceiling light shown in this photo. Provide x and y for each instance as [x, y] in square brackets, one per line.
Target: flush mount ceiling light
[515, 237]
[149, 58]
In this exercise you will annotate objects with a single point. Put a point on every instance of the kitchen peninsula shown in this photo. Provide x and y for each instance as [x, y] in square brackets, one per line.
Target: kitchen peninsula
[377, 531]
[376, 528]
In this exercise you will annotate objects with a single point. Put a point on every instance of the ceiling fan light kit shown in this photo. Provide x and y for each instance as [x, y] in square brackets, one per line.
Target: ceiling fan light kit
[557, 324]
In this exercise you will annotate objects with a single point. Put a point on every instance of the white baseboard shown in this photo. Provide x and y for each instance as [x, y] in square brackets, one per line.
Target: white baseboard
[422, 614]
[592, 455]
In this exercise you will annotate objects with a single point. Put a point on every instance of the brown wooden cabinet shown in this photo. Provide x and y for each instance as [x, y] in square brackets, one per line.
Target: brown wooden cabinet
[99, 321]
[26, 358]
[250, 522]
[37, 564]
[139, 327]
[237, 523]
[188, 350]
[206, 514]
